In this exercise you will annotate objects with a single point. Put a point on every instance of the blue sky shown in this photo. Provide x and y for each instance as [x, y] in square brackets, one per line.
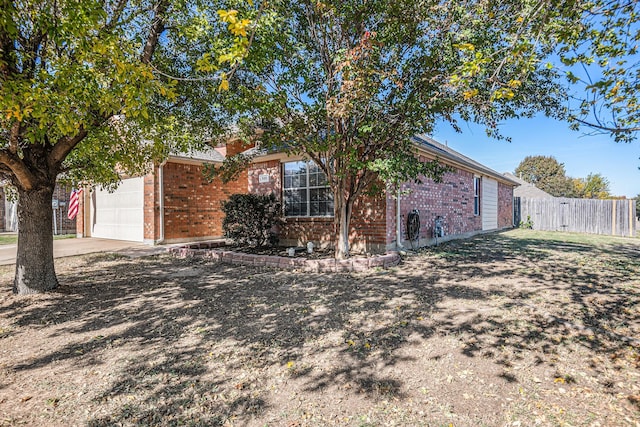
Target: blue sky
[580, 153]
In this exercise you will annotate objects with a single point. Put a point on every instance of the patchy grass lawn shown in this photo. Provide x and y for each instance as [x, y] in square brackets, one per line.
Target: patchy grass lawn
[519, 328]
[12, 239]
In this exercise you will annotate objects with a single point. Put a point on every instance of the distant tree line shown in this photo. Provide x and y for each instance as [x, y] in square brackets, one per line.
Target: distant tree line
[546, 173]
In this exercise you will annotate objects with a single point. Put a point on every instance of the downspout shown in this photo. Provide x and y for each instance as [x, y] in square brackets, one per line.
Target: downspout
[161, 204]
[399, 245]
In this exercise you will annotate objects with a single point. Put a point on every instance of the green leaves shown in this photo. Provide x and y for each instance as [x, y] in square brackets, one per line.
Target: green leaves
[74, 73]
[601, 54]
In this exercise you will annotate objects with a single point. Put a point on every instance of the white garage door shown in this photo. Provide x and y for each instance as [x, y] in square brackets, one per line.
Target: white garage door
[489, 197]
[119, 215]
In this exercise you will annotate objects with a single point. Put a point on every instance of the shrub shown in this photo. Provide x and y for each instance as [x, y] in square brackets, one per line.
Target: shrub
[250, 218]
[528, 224]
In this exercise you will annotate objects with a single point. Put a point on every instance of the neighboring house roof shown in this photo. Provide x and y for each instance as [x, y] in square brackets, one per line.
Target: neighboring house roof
[205, 155]
[526, 189]
[258, 151]
[432, 146]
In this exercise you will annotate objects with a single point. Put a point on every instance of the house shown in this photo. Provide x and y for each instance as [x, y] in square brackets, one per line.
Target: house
[60, 224]
[526, 189]
[176, 204]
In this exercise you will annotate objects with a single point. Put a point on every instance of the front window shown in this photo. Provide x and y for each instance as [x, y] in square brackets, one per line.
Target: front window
[476, 195]
[306, 191]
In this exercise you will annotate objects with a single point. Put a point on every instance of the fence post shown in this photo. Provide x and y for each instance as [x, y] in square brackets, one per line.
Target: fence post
[613, 217]
[631, 218]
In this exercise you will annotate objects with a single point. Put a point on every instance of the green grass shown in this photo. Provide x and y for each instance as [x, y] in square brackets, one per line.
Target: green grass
[577, 238]
[12, 239]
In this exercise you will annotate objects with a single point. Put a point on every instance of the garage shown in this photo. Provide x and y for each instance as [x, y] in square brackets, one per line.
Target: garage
[489, 197]
[119, 215]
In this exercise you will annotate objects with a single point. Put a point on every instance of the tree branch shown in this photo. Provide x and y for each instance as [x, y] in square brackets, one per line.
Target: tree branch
[157, 27]
[63, 147]
[23, 176]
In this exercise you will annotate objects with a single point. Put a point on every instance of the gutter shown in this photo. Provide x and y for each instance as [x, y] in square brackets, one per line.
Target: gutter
[161, 195]
[399, 245]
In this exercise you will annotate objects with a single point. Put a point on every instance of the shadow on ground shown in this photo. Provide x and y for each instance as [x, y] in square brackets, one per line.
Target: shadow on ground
[188, 342]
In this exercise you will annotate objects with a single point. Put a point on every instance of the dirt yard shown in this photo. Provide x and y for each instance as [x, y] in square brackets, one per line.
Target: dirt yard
[512, 329]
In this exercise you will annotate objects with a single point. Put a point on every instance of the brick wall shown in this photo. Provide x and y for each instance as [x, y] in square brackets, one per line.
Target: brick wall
[81, 213]
[191, 204]
[236, 146]
[273, 170]
[151, 207]
[367, 231]
[505, 205]
[64, 225]
[451, 199]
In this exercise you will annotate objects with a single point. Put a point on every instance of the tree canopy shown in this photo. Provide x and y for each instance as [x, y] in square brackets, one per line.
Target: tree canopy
[546, 173]
[600, 59]
[93, 89]
[594, 186]
[348, 83]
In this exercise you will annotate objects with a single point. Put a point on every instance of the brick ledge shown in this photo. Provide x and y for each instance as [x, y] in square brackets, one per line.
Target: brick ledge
[215, 251]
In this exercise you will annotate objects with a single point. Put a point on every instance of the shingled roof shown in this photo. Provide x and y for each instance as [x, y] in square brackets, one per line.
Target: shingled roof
[205, 155]
[425, 143]
[526, 189]
[432, 146]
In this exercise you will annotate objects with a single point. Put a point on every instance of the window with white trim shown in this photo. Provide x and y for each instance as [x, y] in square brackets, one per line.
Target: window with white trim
[476, 195]
[306, 191]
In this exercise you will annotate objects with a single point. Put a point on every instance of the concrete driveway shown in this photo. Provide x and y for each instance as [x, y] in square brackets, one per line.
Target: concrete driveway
[87, 245]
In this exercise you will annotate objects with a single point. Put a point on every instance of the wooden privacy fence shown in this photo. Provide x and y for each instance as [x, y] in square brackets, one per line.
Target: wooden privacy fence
[611, 217]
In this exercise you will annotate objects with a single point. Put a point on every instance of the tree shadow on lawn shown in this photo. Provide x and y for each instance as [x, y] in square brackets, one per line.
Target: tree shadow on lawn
[203, 344]
[573, 292]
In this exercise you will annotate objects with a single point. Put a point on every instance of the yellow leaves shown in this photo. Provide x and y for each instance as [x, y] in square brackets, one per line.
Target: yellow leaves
[146, 73]
[467, 47]
[235, 53]
[468, 94]
[614, 90]
[514, 83]
[224, 82]
[18, 113]
[228, 16]
[14, 113]
[503, 93]
[227, 57]
[239, 28]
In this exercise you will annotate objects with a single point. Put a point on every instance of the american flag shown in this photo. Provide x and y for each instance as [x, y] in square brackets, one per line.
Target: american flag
[73, 204]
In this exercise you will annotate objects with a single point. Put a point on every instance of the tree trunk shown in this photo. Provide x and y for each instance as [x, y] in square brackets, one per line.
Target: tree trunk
[342, 219]
[35, 271]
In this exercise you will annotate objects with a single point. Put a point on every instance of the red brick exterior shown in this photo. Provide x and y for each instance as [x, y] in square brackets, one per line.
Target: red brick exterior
[151, 207]
[367, 231]
[236, 146]
[452, 199]
[80, 217]
[505, 205]
[273, 170]
[63, 225]
[192, 207]
[191, 204]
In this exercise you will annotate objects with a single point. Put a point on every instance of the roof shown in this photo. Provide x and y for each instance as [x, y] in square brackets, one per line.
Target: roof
[432, 146]
[426, 144]
[205, 155]
[526, 189]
